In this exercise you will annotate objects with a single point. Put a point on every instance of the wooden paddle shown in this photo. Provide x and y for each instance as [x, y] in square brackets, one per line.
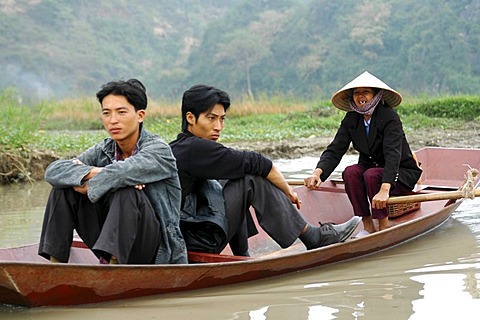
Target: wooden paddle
[448, 195]
[294, 182]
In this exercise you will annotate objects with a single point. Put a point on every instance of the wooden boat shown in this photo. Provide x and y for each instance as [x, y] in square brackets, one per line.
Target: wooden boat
[29, 280]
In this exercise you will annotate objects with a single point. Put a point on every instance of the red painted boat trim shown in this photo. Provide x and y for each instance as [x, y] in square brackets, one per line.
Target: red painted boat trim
[28, 280]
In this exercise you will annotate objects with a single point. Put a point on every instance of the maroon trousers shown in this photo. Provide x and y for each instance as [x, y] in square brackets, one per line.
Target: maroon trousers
[362, 184]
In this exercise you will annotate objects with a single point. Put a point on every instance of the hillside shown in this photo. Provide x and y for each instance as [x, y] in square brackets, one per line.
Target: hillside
[301, 48]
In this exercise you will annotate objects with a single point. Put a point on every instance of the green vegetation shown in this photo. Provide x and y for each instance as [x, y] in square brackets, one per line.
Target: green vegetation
[18, 122]
[303, 48]
[459, 107]
[69, 126]
[444, 112]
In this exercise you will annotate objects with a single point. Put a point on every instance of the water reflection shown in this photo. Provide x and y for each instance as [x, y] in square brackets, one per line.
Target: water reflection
[302, 167]
[313, 313]
[433, 277]
[21, 213]
[447, 292]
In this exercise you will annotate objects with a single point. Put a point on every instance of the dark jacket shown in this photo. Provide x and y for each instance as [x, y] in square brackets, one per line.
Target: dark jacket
[385, 147]
[201, 159]
[201, 163]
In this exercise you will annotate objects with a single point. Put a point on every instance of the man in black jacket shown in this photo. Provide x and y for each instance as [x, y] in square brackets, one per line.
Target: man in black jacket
[220, 184]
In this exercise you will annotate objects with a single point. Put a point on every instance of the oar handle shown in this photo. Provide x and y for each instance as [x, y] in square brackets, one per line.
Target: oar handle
[294, 182]
[450, 195]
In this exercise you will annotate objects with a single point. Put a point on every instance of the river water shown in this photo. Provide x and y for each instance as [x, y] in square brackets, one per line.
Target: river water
[436, 276]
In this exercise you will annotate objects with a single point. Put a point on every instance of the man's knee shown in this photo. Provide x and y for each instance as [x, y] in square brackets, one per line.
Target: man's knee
[58, 192]
[129, 194]
[65, 196]
[130, 200]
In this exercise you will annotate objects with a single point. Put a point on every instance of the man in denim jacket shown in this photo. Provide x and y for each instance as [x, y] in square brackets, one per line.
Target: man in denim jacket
[122, 195]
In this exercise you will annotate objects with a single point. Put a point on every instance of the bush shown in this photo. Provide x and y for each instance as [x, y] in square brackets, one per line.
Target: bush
[18, 123]
[72, 125]
[455, 107]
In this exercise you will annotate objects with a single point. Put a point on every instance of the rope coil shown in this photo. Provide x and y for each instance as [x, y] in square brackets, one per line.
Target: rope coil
[468, 187]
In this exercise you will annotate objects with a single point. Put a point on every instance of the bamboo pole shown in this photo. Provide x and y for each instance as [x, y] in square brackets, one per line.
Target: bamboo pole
[467, 190]
[450, 195]
[294, 182]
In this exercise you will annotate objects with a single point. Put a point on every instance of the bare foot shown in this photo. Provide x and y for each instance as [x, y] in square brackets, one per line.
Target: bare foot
[383, 223]
[368, 224]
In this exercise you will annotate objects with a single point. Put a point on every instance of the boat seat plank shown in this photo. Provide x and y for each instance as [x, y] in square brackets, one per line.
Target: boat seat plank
[295, 248]
[202, 257]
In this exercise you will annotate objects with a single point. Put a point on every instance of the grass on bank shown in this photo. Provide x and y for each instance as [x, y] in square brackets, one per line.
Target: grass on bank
[69, 126]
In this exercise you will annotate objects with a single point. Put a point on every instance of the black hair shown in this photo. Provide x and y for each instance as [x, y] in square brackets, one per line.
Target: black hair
[200, 98]
[133, 90]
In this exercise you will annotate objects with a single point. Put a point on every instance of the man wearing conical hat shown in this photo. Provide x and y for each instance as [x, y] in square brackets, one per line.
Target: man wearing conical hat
[386, 165]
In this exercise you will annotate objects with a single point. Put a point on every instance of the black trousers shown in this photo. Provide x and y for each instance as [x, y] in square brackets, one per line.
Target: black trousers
[122, 224]
[277, 216]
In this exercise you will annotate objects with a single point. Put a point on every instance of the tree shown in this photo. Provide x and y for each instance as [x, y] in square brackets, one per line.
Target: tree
[370, 22]
[243, 49]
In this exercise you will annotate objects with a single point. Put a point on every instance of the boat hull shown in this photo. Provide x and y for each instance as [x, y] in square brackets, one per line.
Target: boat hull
[33, 284]
[27, 279]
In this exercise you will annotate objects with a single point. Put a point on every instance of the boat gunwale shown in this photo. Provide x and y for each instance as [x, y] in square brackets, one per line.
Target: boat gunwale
[249, 260]
[199, 275]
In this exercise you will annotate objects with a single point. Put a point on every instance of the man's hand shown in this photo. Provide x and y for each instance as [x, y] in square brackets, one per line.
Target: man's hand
[92, 173]
[276, 177]
[295, 200]
[96, 170]
[82, 189]
[76, 161]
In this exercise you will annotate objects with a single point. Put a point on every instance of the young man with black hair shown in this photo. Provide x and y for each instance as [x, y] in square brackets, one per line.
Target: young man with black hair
[122, 195]
[220, 184]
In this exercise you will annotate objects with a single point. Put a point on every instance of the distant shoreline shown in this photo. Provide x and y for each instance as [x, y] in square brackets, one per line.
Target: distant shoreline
[313, 146]
[30, 166]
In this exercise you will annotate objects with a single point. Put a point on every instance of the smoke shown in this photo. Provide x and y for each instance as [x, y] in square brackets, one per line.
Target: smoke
[28, 83]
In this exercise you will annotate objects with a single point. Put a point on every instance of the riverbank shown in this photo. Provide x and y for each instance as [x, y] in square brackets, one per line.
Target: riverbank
[313, 146]
[24, 166]
[286, 129]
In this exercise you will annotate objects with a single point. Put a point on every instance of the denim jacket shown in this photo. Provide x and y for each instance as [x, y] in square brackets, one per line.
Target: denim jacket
[153, 165]
[203, 221]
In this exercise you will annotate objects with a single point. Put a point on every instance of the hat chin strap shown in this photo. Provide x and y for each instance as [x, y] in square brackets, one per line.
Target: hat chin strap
[369, 107]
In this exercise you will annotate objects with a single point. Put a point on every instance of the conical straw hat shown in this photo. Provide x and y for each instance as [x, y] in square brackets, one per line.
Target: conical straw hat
[341, 98]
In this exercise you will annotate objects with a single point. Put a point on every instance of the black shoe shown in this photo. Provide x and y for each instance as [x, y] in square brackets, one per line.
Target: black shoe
[331, 233]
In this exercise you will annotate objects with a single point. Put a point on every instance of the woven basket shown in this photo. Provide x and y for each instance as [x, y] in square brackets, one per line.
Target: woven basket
[396, 210]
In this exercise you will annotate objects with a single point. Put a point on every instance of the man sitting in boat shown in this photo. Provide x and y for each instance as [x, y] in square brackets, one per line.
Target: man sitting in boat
[122, 195]
[386, 165]
[220, 184]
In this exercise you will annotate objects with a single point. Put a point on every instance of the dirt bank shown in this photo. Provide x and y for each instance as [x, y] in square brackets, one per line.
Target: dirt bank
[313, 146]
[21, 166]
